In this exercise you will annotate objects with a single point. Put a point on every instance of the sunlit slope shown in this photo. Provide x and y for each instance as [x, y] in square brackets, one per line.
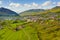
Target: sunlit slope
[26, 33]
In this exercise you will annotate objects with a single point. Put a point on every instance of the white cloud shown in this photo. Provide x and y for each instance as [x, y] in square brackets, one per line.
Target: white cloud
[17, 7]
[14, 4]
[35, 4]
[58, 3]
[0, 2]
[27, 5]
[32, 6]
[47, 3]
[14, 9]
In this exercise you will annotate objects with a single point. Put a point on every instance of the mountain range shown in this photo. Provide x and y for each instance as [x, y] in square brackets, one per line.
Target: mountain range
[31, 12]
[40, 11]
[8, 12]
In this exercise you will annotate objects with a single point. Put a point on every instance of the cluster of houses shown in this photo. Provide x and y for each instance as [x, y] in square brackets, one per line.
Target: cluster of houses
[36, 18]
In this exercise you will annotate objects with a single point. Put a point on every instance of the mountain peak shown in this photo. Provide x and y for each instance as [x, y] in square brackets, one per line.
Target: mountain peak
[56, 7]
[8, 12]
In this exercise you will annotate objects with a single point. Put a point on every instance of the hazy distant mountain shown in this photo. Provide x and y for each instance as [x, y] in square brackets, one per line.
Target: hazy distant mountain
[34, 10]
[31, 12]
[57, 7]
[41, 12]
[7, 12]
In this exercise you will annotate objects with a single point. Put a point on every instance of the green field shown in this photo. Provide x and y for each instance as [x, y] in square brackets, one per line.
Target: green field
[48, 30]
[27, 33]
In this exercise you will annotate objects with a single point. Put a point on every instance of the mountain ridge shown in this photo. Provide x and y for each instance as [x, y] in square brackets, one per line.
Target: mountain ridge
[55, 9]
[31, 11]
[7, 12]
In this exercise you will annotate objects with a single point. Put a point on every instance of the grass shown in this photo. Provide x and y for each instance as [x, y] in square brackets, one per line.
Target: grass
[27, 33]
[48, 30]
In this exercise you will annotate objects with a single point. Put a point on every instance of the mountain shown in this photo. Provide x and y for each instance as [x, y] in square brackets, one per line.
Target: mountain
[55, 9]
[31, 12]
[7, 12]
[34, 10]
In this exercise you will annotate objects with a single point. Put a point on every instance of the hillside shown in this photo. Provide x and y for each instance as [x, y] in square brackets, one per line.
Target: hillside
[55, 9]
[31, 12]
[41, 11]
[7, 12]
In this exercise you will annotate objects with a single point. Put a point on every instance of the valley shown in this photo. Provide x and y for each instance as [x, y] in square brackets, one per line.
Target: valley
[30, 25]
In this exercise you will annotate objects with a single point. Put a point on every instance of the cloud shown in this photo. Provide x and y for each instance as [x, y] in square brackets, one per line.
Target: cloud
[22, 7]
[14, 4]
[34, 4]
[27, 5]
[17, 7]
[58, 3]
[0, 2]
[47, 3]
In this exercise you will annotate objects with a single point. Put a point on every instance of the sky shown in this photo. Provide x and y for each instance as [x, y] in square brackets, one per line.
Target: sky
[23, 5]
